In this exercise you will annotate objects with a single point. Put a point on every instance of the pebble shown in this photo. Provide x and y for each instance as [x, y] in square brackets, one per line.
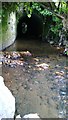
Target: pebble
[31, 115]
[61, 73]
[31, 89]
[36, 82]
[43, 66]
[62, 93]
[12, 59]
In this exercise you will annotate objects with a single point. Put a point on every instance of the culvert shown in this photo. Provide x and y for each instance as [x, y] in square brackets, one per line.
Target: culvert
[30, 27]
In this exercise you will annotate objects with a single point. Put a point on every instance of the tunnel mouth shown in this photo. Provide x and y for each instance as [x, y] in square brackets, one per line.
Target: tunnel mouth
[30, 28]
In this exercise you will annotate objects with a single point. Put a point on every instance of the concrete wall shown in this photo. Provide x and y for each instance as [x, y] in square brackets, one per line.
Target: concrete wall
[0, 35]
[9, 35]
[0, 25]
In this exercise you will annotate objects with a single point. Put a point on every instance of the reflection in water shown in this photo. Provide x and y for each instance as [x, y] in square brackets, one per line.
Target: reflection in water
[36, 47]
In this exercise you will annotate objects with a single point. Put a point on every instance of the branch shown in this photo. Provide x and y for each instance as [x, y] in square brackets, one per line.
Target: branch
[48, 8]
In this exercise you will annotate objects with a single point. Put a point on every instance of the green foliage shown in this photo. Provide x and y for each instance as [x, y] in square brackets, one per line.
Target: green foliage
[57, 22]
[43, 12]
[28, 9]
[63, 8]
[57, 25]
[10, 6]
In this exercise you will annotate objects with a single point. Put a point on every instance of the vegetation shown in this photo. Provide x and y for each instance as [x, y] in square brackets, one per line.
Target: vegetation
[58, 12]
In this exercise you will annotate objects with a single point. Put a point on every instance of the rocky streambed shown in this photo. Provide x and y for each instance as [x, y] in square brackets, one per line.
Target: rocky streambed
[37, 83]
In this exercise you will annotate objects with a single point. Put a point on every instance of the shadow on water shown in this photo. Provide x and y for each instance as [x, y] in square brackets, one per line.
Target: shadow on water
[35, 46]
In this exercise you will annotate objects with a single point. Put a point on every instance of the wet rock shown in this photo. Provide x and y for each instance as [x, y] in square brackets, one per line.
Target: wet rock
[12, 65]
[15, 55]
[66, 67]
[12, 55]
[61, 73]
[59, 77]
[6, 62]
[13, 59]
[36, 82]
[57, 66]
[65, 52]
[31, 89]
[51, 42]
[31, 115]
[36, 59]
[43, 66]
[62, 93]
[9, 56]
[19, 62]
[7, 101]
[18, 117]
[27, 53]
[26, 86]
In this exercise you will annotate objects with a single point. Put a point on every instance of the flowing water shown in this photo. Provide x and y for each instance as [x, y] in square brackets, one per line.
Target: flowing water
[36, 89]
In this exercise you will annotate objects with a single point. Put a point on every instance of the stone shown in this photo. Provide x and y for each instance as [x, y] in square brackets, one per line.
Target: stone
[43, 66]
[15, 55]
[18, 116]
[61, 73]
[26, 53]
[7, 101]
[35, 115]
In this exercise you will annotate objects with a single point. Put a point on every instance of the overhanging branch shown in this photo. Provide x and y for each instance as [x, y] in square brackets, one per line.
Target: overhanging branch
[48, 8]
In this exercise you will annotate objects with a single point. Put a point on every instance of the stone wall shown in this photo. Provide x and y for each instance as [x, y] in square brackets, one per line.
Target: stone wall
[9, 34]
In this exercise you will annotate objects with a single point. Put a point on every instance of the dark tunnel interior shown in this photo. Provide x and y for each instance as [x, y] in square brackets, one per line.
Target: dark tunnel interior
[30, 27]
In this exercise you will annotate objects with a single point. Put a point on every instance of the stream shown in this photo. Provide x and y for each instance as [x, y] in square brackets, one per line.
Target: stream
[37, 89]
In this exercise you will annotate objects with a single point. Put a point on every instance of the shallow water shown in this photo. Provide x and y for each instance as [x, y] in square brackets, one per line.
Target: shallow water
[36, 47]
[35, 89]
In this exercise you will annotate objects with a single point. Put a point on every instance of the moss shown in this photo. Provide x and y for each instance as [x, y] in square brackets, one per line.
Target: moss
[4, 22]
[5, 15]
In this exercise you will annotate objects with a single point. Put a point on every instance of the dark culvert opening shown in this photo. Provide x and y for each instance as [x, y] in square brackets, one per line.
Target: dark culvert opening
[30, 27]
